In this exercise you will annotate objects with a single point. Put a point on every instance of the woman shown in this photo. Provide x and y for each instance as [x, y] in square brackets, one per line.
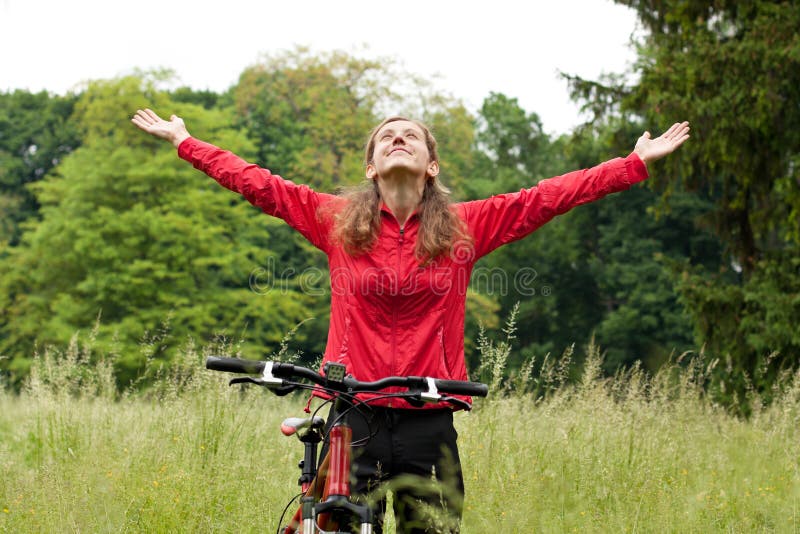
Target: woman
[400, 257]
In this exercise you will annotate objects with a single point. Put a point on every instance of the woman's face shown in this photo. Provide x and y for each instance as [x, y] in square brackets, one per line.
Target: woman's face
[401, 147]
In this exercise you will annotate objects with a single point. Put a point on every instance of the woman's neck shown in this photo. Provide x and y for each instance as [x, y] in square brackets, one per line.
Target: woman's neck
[401, 198]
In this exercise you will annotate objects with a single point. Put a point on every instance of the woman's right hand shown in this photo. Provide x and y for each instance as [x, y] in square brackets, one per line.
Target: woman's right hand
[173, 130]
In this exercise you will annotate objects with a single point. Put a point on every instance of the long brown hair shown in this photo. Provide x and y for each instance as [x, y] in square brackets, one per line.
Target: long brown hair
[357, 223]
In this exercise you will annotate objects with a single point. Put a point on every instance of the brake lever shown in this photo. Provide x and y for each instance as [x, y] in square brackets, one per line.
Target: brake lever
[417, 401]
[279, 391]
[245, 380]
[458, 402]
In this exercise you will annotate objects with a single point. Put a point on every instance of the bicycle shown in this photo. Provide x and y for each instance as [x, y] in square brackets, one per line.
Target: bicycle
[325, 501]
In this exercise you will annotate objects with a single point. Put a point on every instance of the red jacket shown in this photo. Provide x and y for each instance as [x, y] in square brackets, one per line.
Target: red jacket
[389, 314]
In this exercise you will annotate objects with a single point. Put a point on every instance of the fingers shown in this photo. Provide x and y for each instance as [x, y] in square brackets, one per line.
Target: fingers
[141, 120]
[680, 134]
[677, 130]
[677, 134]
[678, 141]
[146, 117]
[152, 115]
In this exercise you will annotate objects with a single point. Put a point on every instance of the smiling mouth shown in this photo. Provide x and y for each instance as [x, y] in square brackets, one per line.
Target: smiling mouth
[399, 150]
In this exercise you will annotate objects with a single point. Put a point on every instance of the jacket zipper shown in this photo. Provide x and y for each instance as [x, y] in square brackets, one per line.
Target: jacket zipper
[394, 308]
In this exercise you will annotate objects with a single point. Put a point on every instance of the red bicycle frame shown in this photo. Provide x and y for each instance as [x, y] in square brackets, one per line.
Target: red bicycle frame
[333, 478]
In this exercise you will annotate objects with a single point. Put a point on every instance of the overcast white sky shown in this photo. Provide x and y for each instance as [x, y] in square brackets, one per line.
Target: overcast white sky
[515, 47]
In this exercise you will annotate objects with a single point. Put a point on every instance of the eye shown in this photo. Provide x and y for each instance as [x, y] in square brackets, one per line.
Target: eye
[412, 135]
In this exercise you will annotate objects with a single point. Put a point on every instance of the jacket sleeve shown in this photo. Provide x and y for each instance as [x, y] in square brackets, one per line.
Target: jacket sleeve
[502, 219]
[296, 204]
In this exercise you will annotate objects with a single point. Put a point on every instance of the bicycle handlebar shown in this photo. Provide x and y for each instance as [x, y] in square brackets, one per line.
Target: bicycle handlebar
[273, 372]
[234, 365]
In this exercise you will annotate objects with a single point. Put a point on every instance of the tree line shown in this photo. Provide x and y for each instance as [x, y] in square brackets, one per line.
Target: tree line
[104, 231]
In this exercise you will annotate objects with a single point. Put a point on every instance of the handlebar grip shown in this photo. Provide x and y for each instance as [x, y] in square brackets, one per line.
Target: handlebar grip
[234, 365]
[457, 387]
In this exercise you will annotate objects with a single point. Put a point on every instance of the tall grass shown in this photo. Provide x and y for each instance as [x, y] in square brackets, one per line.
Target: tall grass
[630, 453]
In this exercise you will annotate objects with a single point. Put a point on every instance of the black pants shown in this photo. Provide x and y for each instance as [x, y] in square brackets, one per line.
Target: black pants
[414, 454]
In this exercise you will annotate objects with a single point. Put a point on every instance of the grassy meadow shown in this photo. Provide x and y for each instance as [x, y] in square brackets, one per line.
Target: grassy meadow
[626, 454]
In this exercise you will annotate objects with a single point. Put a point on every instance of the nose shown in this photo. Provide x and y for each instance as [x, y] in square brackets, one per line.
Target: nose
[398, 139]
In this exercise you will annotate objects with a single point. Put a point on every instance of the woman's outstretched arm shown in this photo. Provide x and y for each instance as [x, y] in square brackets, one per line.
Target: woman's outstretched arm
[504, 218]
[173, 130]
[295, 204]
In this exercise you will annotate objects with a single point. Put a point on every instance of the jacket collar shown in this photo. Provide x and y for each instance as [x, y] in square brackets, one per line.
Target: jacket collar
[385, 209]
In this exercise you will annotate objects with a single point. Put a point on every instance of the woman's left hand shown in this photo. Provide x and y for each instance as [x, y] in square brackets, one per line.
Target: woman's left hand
[653, 149]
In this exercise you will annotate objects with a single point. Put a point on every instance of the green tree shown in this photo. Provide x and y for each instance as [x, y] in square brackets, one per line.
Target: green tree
[511, 149]
[35, 134]
[133, 234]
[631, 251]
[732, 69]
[309, 115]
[454, 129]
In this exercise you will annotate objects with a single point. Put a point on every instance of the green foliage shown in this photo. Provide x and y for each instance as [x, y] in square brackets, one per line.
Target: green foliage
[129, 233]
[205, 98]
[494, 355]
[633, 263]
[511, 149]
[453, 127]
[35, 135]
[735, 75]
[134, 235]
[761, 312]
[731, 68]
[309, 115]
